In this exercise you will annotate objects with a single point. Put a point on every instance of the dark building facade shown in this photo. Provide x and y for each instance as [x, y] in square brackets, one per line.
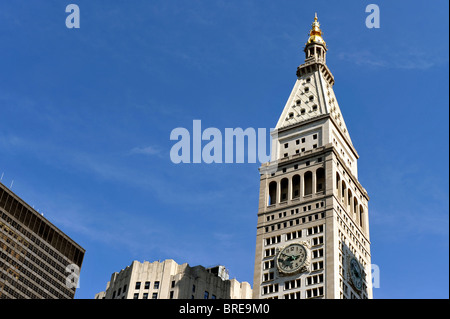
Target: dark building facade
[37, 260]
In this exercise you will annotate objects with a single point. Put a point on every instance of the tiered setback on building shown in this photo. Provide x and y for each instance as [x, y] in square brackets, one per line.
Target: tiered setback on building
[36, 258]
[310, 196]
[169, 280]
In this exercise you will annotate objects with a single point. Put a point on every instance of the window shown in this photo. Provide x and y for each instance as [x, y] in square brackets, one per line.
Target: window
[317, 265]
[320, 179]
[314, 230]
[272, 193]
[173, 284]
[311, 98]
[343, 190]
[317, 241]
[156, 285]
[302, 111]
[294, 235]
[286, 145]
[315, 137]
[293, 295]
[308, 182]
[295, 186]
[297, 142]
[291, 115]
[303, 140]
[315, 292]
[338, 180]
[292, 284]
[315, 146]
[269, 264]
[298, 102]
[268, 276]
[171, 295]
[206, 295]
[317, 253]
[155, 295]
[314, 108]
[144, 296]
[284, 189]
[269, 289]
[361, 216]
[136, 296]
[273, 240]
[269, 252]
[147, 285]
[138, 285]
[306, 89]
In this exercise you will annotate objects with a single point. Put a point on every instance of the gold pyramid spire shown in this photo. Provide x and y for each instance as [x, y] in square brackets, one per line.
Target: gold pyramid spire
[315, 35]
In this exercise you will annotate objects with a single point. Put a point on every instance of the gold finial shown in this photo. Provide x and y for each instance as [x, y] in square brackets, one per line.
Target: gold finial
[315, 35]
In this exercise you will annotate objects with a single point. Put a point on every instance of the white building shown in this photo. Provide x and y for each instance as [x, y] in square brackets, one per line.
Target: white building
[169, 280]
[313, 230]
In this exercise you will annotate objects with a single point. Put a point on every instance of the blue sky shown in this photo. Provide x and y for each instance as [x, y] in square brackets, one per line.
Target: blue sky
[86, 116]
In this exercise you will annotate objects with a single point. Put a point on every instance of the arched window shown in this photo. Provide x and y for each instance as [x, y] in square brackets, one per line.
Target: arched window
[361, 216]
[338, 180]
[272, 193]
[308, 183]
[296, 186]
[284, 189]
[343, 188]
[320, 179]
[355, 206]
[349, 200]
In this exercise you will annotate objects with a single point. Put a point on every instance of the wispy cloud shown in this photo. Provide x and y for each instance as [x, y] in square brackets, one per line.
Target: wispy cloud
[146, 150]
[407, 60]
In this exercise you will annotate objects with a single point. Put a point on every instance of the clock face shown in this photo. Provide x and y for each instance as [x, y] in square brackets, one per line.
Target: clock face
[291, 258]
[355, 273]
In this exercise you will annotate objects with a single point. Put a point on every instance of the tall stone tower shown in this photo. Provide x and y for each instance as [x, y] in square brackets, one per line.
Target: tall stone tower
[313, 230]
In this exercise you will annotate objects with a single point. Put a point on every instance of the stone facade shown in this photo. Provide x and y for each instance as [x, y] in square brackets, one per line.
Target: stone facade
[310, 195]
[169, 280]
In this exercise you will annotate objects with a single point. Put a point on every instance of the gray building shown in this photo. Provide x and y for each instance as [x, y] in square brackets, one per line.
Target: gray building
[37, 260]
[169, 280]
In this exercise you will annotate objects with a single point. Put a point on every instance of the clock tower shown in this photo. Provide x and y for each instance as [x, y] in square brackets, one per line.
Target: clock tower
[313, 228]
